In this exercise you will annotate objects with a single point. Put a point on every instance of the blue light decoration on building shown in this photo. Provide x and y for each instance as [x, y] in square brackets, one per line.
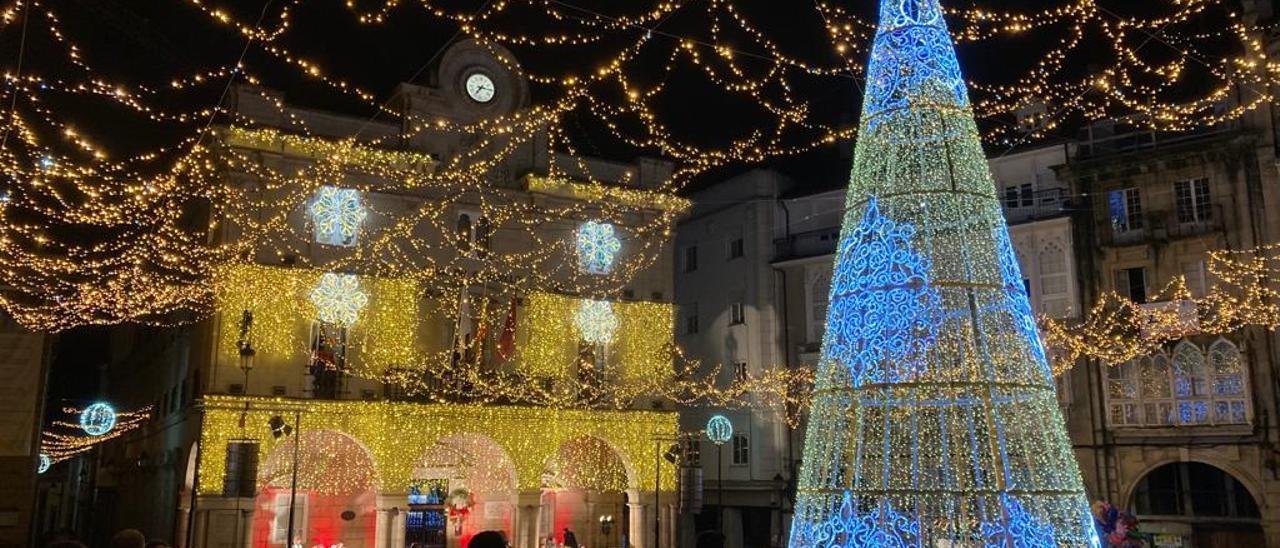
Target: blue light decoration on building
[98, 419]
[44, 464]
[934, 419]
[719, 430]
[598, 247]
[336, 214]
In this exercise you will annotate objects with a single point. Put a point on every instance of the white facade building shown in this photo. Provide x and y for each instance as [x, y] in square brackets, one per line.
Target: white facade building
[753, 273]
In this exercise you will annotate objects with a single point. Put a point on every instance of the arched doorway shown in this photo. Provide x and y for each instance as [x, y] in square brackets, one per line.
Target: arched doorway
[334, 502]
[465, 466]
[583, 491]
[1204, 505]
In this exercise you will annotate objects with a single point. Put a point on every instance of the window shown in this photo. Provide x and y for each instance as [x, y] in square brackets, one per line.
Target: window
[1194, 275]
[1052, 263]
[462, 231]
[691, 258]
[736, 314]
[741, 449]
[735, 248]
[1193, 489]
[691, 318]
[818, 287]
[280, 516]
[1125, 207]
[1193, 201]
[740, 372]
[1188, 389]
[1016, 196]
[484, 235]
[1131, 283]
[328, 359]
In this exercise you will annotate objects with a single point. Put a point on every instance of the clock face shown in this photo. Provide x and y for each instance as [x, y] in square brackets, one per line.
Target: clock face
[479, 87]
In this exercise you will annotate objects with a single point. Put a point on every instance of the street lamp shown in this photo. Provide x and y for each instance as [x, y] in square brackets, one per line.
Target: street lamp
[719, 431]
[247, 352]
[606, 525]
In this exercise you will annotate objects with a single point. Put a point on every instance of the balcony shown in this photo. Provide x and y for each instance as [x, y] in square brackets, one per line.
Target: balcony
[1046, 204]
[1131, 134]
[1163, 226]
[814, 243]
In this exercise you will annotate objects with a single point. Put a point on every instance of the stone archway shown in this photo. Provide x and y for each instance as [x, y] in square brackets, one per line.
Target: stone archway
[1203, 503]
[464, 462]
[583, 484]
[335, 496]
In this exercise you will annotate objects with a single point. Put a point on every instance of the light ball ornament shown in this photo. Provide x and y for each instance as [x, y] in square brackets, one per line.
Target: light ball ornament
[44, 464]
[98, 419]
[719, 430]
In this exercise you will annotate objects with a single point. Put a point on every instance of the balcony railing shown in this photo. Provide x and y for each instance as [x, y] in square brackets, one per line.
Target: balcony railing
[1046, 204]
[1160, 226]
[813, 243]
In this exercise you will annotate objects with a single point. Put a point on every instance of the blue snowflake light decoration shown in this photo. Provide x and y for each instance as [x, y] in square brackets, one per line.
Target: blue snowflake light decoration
[881, 315]
[719, 430]
[336, 214]
[98, 419]
[339, 299]
[44, 464]
[598, 246]
[596, 322]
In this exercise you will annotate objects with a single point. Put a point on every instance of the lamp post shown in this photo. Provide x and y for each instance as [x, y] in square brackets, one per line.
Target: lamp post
[671, 455]
[247, 352]
[719, 431]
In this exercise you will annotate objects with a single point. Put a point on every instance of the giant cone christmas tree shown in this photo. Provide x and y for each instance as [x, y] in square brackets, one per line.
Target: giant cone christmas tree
[934, 422]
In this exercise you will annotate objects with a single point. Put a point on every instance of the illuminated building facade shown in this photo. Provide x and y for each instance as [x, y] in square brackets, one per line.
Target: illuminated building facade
[334, 391]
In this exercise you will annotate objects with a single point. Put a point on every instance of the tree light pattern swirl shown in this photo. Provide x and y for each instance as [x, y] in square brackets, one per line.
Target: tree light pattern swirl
[598, 246]
[934, 420]
[596, 322]
[339, 299]
[337, 214]
[879, 319]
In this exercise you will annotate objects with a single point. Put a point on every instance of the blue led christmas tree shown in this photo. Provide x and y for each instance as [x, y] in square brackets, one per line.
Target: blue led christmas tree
[934, 419]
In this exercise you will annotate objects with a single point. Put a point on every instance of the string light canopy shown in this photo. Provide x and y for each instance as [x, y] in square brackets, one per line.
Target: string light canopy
[98, 419]
[934, 419]
[66, 439]
[145, 266]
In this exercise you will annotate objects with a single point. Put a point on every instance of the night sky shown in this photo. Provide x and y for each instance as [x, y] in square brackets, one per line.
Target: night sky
[148, 43]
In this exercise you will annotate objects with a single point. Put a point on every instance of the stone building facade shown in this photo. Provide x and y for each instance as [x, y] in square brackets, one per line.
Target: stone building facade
[287, 444]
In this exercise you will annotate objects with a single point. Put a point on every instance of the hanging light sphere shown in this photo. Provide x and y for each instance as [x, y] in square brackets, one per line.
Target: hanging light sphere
[98, 419]
[719, 430]
[45, 463]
